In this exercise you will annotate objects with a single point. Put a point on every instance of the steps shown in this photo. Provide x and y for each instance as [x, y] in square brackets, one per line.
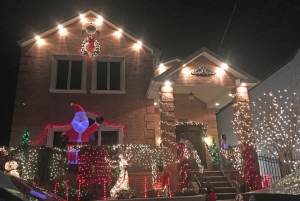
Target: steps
[223, 188]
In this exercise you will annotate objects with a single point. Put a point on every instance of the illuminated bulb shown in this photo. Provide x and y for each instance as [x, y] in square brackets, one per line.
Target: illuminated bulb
[138, 45]
[62, 31]
[120, 30]
[37, 37]
[243, 84]
[81, 16]
[167, 83]
[217, 104]
[155, 103]
[224, 66]
[99, 20]
[59, 26]
[230, 95]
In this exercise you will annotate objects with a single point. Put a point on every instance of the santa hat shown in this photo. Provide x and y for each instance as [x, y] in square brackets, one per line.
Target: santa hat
[77, 108]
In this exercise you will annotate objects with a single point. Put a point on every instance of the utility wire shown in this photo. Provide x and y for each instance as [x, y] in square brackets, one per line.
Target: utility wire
[227, 26]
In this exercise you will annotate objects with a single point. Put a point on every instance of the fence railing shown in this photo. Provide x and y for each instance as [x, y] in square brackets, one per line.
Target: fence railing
[230, 163]
[269, 168]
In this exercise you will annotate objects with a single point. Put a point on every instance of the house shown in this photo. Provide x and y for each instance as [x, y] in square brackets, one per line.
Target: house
[123, 80]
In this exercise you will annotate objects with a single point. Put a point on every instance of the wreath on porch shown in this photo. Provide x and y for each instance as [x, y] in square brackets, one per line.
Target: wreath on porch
[90, 46]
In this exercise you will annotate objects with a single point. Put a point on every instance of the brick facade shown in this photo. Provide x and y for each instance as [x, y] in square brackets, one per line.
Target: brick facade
[42, 107]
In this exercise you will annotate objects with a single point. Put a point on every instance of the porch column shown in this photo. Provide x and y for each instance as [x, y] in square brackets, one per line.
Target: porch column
[244, 129]
[167, 129]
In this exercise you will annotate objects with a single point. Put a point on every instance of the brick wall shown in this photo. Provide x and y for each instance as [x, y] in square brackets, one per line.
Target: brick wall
[42, 107]
[137, 182]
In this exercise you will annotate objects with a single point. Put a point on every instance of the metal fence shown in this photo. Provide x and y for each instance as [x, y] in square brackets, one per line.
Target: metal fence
[269, 168]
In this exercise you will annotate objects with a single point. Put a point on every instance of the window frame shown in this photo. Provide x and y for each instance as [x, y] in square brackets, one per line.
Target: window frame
[69, 58]
[122, 75]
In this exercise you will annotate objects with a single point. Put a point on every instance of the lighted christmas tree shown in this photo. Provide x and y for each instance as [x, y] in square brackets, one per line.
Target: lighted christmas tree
[276, 122]
[25, 139]
[214, 152]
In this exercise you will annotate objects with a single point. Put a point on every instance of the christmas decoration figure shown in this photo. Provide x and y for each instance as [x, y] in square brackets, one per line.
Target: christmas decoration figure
[122, 183]
[80, 131]
[11, 168]
[185, 147]
[215, 156]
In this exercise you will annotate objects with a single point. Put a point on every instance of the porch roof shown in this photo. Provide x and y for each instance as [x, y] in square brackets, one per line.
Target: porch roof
[207, 93]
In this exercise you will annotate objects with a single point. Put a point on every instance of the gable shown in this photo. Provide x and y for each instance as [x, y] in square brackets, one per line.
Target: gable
[184, 76]
[85, 19]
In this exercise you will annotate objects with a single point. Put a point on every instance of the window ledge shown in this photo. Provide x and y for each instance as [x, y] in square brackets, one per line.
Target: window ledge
[67, 91]
[107, 92]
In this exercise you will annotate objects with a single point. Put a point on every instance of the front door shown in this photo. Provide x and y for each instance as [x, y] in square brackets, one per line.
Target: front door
[194, 134]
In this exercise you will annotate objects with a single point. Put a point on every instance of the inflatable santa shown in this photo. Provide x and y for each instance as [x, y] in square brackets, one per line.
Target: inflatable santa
[80, 131]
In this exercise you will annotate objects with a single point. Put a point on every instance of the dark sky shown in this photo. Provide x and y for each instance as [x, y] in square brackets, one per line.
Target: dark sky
[262, 34]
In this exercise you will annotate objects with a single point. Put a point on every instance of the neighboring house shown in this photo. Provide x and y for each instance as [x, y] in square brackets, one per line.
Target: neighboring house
[287, 77]
[283, 78]
[124, 82]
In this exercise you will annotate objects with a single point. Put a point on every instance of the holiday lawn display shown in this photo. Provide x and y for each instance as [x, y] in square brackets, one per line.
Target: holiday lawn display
[102, 170]
[99, 171]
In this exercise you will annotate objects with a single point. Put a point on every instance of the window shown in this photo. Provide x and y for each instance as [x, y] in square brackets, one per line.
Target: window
[68, 74]
[56, 138]
[108, 75]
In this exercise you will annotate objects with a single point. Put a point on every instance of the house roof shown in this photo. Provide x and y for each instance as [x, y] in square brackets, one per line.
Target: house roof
[237, 72]
[169, 60]
[71, 19]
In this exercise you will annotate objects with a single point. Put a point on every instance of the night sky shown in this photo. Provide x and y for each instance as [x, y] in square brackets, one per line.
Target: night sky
[261, 37]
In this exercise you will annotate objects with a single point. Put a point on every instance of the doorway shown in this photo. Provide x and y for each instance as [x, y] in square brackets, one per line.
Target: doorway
[194, 134]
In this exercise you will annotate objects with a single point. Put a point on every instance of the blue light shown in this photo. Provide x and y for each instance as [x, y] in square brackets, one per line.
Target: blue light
[37, 194]
[80, 122]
